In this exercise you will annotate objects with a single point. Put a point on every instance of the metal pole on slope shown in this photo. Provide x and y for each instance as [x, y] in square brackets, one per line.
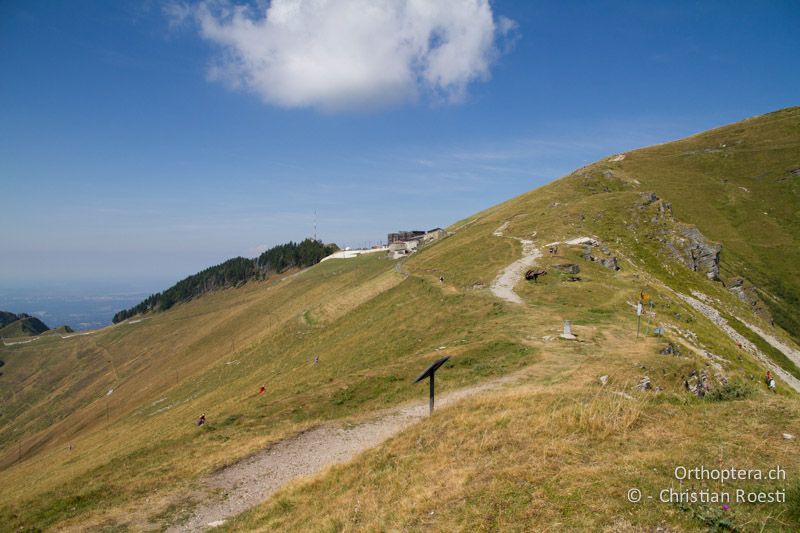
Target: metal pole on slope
[430, 403]
[638, 317]
[428, 373]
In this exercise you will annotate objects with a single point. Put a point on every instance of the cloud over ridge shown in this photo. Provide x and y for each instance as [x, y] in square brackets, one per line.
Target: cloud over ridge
[342, 54]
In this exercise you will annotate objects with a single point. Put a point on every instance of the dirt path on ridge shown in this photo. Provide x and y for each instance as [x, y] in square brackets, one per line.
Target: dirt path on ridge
[503, 285]
[252, 480]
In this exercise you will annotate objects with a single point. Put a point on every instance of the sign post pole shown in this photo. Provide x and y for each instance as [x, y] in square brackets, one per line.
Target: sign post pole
[433, 376]
[638, 318]
[429, 373]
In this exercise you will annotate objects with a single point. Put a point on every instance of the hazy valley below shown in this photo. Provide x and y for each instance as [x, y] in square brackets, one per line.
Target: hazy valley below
[88, 309]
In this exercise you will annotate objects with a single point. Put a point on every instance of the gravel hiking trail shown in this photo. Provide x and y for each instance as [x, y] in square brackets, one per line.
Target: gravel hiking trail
[503, 285]
[252, 480]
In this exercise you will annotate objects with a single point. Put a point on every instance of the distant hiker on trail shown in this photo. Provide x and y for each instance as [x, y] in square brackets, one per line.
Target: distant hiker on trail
[441, 280]
[316, 359]
[262, 389]
[201, 420]
[770, 381]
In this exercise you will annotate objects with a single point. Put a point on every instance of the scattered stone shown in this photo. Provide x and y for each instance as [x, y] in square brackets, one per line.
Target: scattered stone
[788, 436]
[604, 380]
[610, 263]
[795, 171]
[697, 383]
[567, 334]
[644, 384]
[215, 523]
[548, 338]
[589, 241]
[670, 349]
[648, 198]
[569, 268]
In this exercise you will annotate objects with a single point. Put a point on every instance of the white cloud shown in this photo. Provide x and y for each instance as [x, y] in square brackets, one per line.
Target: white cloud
[344, 54]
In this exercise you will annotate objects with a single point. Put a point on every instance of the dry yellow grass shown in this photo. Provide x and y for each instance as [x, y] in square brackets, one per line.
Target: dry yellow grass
[555, 452]
[552, 457]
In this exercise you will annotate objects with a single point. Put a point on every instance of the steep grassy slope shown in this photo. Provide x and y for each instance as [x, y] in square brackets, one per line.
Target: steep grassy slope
[560, 451]
[740, 185]
[556, 450]
[82, 451]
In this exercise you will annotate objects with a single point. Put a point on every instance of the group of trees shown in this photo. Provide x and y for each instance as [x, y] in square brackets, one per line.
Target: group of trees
[232, 273]
[285, 256]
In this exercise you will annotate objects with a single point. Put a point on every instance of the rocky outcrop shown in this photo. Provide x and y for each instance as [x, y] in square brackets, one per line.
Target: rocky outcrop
[648, 198]
[691, 248]
[683, 242]
[703, 255]
[747, 293]
[609, 261]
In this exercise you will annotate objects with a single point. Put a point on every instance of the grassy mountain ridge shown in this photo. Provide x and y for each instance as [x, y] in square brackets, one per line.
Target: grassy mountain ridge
[21, 325]
[554, 450]
[232, 273]
[740, 185]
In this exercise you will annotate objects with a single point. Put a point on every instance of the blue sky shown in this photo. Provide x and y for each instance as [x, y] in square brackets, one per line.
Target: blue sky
[143, 141]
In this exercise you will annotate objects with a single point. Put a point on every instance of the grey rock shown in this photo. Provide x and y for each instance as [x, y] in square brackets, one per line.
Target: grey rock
[670, 349]
[698, 253]
[569, 268]
[748, 293]
[610, 263]
[644, 384]
[648, 198]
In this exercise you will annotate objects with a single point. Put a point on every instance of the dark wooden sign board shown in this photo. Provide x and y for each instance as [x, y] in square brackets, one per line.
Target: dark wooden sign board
[429, 372]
